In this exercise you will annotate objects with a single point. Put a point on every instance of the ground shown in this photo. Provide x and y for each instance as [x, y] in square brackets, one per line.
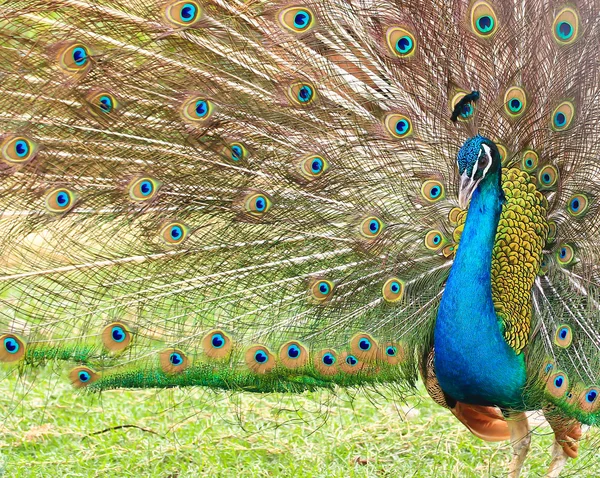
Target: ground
[52, 430]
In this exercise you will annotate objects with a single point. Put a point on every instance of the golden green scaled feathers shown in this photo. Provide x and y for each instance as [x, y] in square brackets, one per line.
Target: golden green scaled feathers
[261, 195]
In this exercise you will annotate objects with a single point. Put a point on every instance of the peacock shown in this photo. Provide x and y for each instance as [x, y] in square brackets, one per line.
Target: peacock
[281, 196]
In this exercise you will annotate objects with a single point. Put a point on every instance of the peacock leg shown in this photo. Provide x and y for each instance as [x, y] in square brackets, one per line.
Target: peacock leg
[520, 439]
[559, 460]
[567, 433]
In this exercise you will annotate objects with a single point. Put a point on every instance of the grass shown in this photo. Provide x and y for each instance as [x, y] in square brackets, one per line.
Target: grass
[51, 430]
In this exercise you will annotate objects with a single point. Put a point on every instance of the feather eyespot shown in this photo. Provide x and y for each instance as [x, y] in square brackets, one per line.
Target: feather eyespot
[435, 240]
[83, 376]
[116, 337]
[589, 400]
[364, 347]
[17, 150]
[391, 353]
[321, 290]
[371, 227]
[557, 384]
[217, 344]
[143, 189]
[578, 205]
[173, 361]
[293, 355]
[468, 109]
[530, 160]
[547, 177]
[182, 13]
[74, 58]
[563, 336]
[502, 151]
[257, 204]
[236, 152]
[432, 191]
[312, 166]
[393, 290]
[12, 348]
[197, 109]
[515, 101]
[400, 42]
[174, 233]
[483, 19]
[259, 359]
[565, 27]
[398, 126]
[302, 93]
[60, 200]
[297, 19]
[565, 255]
[562, 116]
[325, 362]
[102, 102]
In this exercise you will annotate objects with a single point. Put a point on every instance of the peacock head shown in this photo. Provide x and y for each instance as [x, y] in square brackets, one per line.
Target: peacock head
[478, 157]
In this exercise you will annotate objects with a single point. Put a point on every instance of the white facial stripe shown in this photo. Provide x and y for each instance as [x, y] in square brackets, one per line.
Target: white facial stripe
[488, 153]
[475, 166]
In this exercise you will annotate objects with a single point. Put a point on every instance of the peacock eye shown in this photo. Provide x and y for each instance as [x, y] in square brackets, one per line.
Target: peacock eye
[565, 27]
[578, 205]
[548, 177]
[393, 290]
[82, 376]
[312, 166]
[483, 19]
[400, 42]
[173, 361]
[515, 101]
[116, 337]
[562, 116]
[17, 150]
[182, 13]
[398, 125]
[74, 58]
[371, 227]
[301, 93]
[13, 348]
[174, 233]
[257, 204]
[293, 355]
[297, 19]
[432, 191]
[563, 336]
[435, 240]
[143, 189]
[236, 152]
[102, 102]
[467, 109]
[60, 200]
[530, 160]
[321, 290]
[197, 109]
[565, 255]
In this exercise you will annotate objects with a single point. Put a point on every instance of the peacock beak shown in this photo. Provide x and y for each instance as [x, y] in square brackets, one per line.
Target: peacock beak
[466, 189]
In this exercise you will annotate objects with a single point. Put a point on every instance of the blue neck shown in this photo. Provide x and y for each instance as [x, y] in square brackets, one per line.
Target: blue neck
[473, 362]
[471, 272]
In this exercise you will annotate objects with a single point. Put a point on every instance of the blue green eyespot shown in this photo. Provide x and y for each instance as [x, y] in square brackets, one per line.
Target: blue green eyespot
[186, 13]
[483, 19]
[401, 42]
[433, 191]
[302, 93]
[515, 102]
[197, 109]
[578, 205]
[565, 27]
[393, 290]
[562, 116]
[321, 290]
[398, 125]
[143, 188]
[15, 150]
[74, 58]
[312, 166]
[297, 19]
[60, 200]
[371, 227]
